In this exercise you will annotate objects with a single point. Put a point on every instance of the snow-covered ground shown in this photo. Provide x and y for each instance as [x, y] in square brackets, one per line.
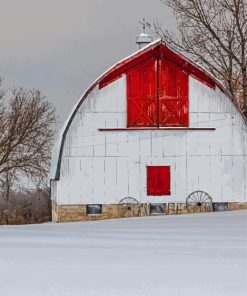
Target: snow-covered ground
[199, 254]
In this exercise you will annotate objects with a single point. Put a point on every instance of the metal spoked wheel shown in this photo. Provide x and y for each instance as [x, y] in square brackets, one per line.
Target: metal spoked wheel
[129, 206]
[199, 201]
[128, 200]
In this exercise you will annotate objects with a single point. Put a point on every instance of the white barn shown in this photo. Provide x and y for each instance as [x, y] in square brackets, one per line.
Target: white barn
[146, 134]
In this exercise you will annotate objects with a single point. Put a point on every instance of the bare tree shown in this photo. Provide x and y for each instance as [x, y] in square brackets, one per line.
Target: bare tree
[26, 135]
[213, 33]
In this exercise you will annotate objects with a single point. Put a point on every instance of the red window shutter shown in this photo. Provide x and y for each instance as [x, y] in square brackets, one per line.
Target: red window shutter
[142, 95]
[158, 180]
[173, 95]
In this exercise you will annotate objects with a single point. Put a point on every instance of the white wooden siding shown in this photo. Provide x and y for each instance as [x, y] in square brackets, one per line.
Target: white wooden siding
[104, 167]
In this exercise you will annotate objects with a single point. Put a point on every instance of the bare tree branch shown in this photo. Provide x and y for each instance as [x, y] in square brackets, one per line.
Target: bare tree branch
[213, 33]
[26, 135]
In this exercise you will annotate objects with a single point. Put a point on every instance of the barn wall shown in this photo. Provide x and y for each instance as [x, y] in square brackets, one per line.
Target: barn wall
[226, 162]
[104, 167]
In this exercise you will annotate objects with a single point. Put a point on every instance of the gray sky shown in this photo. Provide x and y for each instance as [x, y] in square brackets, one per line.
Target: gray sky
[62, 46]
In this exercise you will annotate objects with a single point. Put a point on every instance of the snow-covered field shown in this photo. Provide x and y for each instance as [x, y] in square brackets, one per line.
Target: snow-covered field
[199, 254]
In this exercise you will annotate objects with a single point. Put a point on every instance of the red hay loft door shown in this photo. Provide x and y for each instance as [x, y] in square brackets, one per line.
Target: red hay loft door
[142, 95]
[173, 95]
[157, 95]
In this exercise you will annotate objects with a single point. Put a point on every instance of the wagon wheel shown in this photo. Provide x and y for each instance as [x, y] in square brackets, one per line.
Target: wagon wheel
[128, 200]
[199, 201]
[129, 204]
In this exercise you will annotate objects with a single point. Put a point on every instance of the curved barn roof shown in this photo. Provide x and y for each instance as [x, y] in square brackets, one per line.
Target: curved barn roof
[157, 48]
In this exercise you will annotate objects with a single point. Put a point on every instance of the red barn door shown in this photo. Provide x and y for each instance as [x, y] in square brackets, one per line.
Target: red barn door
[142, 95]
[158, 180]
[173, 95]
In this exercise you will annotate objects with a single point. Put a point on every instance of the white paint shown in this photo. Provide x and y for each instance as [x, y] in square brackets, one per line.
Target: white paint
[104, 167]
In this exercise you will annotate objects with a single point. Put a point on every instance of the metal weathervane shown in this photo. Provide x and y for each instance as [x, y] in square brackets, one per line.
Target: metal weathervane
[144, 24]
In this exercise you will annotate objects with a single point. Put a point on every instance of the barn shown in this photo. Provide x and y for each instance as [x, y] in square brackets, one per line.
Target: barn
[154, 134]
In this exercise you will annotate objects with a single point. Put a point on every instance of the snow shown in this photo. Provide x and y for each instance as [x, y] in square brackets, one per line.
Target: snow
[199, 254]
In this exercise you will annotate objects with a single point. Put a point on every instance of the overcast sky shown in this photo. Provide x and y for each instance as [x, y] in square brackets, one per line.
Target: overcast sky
[62, 46]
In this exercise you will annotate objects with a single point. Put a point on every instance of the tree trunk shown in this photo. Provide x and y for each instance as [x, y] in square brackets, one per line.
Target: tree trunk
[244, 72]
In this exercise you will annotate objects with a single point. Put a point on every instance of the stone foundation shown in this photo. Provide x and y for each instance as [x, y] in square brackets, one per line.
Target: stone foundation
[72, 213]
[66, 213]
[232, 206]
